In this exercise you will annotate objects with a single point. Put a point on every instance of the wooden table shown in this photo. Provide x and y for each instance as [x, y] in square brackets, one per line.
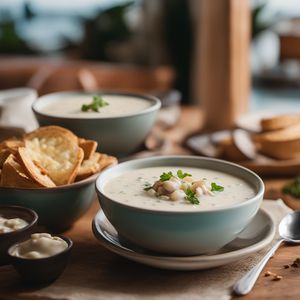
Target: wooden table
[87, 250]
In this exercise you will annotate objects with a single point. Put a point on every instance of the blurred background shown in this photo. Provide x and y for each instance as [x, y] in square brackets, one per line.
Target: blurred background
[140, 45]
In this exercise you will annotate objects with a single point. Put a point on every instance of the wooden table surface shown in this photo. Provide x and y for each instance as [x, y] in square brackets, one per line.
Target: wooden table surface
[81, 234]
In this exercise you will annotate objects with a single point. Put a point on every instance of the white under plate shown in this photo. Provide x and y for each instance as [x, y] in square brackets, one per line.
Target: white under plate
[258, 234]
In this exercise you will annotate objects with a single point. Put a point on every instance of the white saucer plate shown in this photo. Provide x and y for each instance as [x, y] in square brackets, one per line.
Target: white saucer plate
[258, 234]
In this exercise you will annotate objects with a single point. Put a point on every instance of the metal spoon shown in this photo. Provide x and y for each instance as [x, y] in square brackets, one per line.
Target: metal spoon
[289, 231]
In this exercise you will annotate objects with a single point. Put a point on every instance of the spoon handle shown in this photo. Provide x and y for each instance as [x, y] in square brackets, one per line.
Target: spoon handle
[246, 283]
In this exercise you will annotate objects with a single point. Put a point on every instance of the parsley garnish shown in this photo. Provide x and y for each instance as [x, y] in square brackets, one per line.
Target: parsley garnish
[181, 175]
[293, 188]
[97, 103]
[166, 176]
[147, 186]
[216, 188]
[191, 196]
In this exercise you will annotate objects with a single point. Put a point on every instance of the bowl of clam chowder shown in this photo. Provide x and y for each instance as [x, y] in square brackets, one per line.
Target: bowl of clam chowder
[119, 122]
[179, 205]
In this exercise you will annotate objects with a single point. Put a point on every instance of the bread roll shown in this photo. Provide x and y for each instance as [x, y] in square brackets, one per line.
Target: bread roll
[280, 144]
[279, 122]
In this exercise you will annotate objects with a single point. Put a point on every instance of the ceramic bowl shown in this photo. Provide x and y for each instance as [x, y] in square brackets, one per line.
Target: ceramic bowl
[179, 232]
[42, 270]
[10, 238]
[116, 136]
[59, 207]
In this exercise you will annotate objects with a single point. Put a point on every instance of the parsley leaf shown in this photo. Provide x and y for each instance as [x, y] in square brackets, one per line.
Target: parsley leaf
[216, 188]
[181, 175]
[191, 196]
[97, 103]
[166, 176]
[147, 186]
[293, 188]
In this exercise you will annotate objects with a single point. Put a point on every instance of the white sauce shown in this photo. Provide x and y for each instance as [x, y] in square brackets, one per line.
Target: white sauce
[40, 245]
[71, 106]
[128, 188]
[9, 225]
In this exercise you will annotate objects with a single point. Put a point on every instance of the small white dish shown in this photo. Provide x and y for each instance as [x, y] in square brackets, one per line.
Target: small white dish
[15, 108]
[257, 235]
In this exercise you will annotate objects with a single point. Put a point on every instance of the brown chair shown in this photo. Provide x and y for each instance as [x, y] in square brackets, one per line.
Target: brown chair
[48, 76]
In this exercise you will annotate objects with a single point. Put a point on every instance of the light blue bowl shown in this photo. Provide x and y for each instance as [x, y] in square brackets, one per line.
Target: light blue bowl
[180, 233]
[116, 136]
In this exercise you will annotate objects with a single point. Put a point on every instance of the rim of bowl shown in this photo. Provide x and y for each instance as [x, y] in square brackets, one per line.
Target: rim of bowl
[76, 184]
[66, 239]
[156, 104]
[20, 208]
[258, 194]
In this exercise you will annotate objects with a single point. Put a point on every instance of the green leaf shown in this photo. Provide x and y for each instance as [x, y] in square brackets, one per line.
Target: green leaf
[97, 103]
[98, 100]
[166, 176]
[85, 107]
[191, 196]
[181, 175]
[147, 186]
[293, 188]
[216, 188]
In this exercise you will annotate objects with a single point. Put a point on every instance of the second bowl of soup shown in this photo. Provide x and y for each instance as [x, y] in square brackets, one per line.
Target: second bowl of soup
[119, 122]
[179, 205]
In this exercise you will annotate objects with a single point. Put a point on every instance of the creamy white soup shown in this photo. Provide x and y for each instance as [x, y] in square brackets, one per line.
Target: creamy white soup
[178, 189]
[114, 106]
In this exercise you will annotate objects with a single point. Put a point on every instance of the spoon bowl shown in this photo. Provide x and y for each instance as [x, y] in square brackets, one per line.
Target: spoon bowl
[289, 227]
